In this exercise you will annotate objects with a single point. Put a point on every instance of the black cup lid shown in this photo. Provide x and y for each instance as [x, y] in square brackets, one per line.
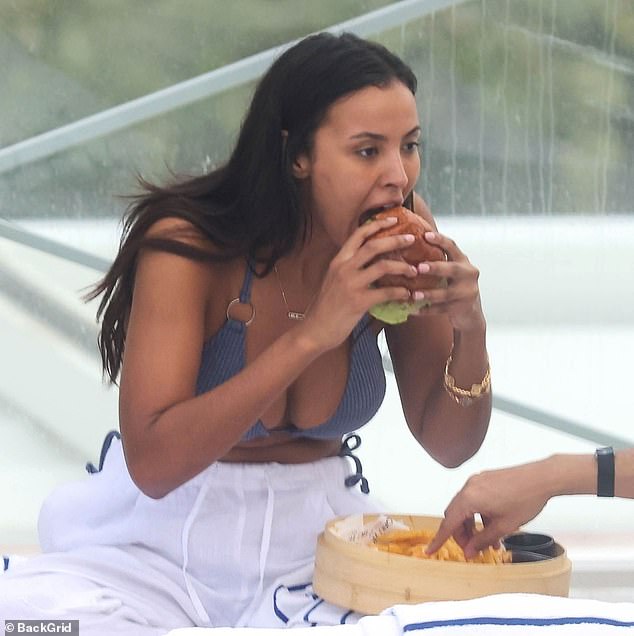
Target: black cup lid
[524, 556]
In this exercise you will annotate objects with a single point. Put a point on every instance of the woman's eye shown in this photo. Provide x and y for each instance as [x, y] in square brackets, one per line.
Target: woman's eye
[367, 152]
[412, 146]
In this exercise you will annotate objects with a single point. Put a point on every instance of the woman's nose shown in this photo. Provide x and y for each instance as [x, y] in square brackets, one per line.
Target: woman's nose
[394, 172]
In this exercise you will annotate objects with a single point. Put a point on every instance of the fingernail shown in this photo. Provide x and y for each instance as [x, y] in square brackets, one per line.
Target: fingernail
[430, 236]
[390, 220]
[418, 295]
[408, 238]
[423, 267]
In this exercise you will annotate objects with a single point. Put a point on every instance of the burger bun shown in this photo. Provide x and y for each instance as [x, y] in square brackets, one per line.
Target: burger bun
[418, 252]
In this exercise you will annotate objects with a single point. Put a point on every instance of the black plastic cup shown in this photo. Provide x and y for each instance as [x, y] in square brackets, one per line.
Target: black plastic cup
[522, 556]
[531, 542]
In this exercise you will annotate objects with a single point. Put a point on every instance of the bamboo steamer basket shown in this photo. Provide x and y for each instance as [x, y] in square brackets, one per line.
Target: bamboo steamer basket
[367, 580]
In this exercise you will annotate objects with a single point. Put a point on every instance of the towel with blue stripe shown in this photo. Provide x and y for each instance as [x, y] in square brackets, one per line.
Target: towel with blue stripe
[524, 614]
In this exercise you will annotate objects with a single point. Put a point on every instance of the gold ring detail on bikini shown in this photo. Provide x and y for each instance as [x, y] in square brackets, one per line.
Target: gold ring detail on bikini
[234, 302]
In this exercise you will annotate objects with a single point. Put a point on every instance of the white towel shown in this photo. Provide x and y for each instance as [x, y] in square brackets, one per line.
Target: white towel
[497, 615]
[367, 626]
[523, 614]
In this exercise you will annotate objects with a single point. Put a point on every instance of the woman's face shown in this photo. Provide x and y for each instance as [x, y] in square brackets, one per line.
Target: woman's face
[364, 156]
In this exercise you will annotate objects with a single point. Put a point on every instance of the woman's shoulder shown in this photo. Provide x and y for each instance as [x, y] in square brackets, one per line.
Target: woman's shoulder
[182, 275]
[179, 250]
[173, 228]
[178, 236]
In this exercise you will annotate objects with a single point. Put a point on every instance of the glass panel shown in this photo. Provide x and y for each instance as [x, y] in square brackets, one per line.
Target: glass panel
[69, 60]
[528, 139]
[527, 105]
[54, 409]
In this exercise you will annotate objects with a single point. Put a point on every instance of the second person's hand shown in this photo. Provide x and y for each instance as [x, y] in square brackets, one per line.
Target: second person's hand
[504, 499]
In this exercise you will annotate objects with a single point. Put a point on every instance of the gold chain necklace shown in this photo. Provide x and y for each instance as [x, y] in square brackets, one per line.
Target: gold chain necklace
[293, 315]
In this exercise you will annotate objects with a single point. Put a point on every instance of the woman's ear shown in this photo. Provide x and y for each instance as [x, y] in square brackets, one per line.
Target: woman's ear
[301, 166]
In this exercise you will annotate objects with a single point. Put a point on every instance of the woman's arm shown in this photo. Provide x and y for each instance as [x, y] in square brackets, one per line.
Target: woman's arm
[169, 433]
[454, 325]
[508, 498]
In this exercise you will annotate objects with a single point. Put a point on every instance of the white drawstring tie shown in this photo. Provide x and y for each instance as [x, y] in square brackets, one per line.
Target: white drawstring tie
[264, 552]
[189, 521]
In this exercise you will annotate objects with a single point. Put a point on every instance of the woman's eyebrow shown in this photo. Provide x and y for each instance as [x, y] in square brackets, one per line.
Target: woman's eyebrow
[413, 131]
[378, 137]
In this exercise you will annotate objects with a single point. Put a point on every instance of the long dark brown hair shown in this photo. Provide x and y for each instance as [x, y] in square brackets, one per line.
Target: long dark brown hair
[249, 207]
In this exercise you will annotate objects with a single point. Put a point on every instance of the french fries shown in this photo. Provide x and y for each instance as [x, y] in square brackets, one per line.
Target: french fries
[414, 542]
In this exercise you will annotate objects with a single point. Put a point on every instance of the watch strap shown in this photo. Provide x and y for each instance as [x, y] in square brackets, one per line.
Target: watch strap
[605, 471]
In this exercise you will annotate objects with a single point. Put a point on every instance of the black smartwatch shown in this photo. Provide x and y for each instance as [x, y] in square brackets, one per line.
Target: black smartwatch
[605, 471]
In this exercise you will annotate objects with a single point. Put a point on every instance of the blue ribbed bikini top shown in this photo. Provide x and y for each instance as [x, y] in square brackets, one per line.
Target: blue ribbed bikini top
[223, 356]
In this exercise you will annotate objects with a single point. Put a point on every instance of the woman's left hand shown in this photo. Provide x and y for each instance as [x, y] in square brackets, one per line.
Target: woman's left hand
[459, 300]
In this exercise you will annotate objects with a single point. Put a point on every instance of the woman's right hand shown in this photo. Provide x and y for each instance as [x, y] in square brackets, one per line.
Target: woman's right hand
[347, 291]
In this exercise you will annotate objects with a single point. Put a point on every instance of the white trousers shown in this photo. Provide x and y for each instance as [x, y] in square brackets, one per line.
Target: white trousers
[232, 547]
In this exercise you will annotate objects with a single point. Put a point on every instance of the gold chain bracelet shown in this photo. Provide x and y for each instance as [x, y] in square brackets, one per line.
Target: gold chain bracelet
[466, 397]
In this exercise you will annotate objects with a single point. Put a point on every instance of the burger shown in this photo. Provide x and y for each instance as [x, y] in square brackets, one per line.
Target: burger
[396, 311]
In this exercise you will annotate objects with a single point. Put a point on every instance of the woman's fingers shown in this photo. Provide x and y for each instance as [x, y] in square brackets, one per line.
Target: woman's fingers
[375, 249]
[386, 267]
[360, 236]
[446, 244]
[457, 296]
[362, 250]
[444, 298]
[362, 262]
[449, 270]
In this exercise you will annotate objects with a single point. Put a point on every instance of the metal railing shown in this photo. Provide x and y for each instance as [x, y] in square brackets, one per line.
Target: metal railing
[192, 90]
[15, 233]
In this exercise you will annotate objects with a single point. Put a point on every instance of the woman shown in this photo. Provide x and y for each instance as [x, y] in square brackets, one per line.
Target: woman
[236, 315]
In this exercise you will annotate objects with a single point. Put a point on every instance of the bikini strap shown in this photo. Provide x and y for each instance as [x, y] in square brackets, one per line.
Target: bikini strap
[245, 291]
[243, 298]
